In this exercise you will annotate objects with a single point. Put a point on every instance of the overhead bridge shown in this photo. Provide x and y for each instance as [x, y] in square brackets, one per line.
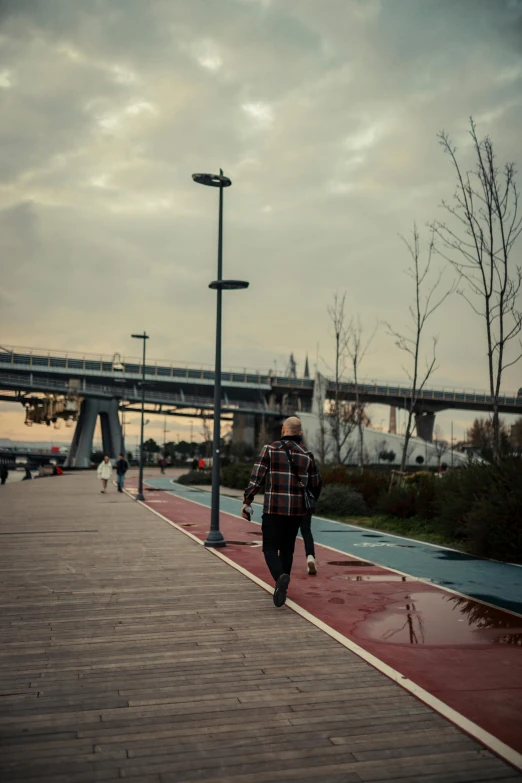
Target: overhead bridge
[107, 384]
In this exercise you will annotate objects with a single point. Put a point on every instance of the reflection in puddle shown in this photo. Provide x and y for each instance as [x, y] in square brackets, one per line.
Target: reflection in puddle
[374, 578]
[438, 619]
[350, 563]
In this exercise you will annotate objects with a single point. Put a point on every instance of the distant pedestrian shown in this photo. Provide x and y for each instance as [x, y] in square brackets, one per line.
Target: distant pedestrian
[291, 480]
[28, 475]
[201, 464]
[105, 472]
[122, 467]
[4, 473]
[162, 465]
[195, 463]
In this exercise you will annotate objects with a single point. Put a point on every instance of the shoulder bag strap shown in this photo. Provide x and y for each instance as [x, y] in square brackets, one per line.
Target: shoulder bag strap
[293, 466]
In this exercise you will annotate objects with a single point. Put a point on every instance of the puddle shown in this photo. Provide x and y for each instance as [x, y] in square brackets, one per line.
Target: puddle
[253, 533]
[374, 578]
[430, 618]
[336, 600]
[350, 563]
[244, 543]
[187, 524]
[371, 535]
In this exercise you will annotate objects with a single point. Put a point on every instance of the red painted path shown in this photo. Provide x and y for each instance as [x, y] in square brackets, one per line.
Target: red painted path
[463, 652]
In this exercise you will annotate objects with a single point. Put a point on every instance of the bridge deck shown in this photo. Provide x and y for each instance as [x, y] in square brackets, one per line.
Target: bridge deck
[131, 651]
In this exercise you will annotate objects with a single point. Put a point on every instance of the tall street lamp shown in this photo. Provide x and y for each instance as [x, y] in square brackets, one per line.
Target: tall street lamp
[144, 337]
[215, 537]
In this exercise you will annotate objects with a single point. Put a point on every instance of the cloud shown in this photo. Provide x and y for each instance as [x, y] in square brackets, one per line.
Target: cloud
[324, 115]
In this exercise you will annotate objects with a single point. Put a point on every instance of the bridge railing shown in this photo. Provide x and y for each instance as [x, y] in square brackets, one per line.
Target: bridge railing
[130, 394]
[90, 364]
[39, 358]
[426, 395]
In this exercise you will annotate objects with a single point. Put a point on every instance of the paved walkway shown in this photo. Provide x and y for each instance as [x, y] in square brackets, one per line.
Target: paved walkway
[496, 583]
[131, 651]
[460, 655]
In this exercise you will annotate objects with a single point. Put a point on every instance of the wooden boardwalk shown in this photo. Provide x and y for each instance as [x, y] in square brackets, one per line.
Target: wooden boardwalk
[129, 651]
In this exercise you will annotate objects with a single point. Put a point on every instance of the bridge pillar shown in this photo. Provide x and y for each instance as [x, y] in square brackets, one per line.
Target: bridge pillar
[425, 422]
[81, 446]
[244, 429]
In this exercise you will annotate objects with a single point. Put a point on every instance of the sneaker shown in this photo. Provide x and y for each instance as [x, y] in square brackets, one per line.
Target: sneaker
[280, 589]
[312, 568]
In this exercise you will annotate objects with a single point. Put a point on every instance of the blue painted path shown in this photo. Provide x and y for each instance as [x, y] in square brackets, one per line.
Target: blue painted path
[496, 583]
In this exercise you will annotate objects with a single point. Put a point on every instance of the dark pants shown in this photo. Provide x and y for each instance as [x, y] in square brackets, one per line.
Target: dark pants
[279, 534]
[306, 532]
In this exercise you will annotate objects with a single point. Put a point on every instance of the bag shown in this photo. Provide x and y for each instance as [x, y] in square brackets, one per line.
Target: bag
[309, 498]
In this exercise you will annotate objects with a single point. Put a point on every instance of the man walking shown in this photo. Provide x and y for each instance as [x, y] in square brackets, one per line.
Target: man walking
[284, 508]
[122, 467]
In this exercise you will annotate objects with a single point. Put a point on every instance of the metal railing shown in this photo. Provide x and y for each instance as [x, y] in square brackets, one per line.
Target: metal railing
[74, 360]
[43, 385]
[39, 359]
[432, 395]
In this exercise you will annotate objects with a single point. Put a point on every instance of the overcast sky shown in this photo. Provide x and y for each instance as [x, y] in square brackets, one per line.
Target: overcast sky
[324, 114]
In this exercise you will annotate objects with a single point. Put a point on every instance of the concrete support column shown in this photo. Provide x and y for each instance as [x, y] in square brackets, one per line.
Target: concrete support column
[81, 446]
[244, 429]
[425, 423]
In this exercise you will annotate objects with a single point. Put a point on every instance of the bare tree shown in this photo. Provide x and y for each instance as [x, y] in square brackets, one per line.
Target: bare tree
[428, 297]
[341, 417]
[356, 348]
[479, 247]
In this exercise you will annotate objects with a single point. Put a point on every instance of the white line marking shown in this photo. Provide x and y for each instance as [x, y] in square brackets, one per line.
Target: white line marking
[484, 737]
[365, 560]
[359, 528]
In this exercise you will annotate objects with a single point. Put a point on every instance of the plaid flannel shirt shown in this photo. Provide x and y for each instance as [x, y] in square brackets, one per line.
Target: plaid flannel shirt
[283, 493]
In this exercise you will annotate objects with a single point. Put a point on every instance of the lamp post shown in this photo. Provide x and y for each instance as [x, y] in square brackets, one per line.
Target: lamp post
[215, 537]
[144, 337]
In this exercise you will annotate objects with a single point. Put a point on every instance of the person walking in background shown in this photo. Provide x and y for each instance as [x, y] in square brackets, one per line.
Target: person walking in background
[105, 472]
[28, 475]
[4, 473]
[289, 474]
[122, 467]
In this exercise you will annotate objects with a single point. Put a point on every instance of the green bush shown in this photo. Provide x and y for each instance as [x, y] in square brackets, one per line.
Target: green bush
[370, 484]
[236, 475]
[341, 501]
[482, 506]
[399, 502]
[196, 477]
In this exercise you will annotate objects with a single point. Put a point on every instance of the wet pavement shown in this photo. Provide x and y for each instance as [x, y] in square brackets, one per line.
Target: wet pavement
[490, 581]
[458, 649]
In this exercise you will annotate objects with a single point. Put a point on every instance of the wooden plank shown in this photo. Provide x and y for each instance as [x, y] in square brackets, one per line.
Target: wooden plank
[130, 652]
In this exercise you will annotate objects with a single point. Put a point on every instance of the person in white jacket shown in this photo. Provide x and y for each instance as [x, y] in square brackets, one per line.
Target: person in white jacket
[105, 472]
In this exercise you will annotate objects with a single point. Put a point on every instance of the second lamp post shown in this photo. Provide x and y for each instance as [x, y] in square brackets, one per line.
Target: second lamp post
[215, 536]
[144, 337]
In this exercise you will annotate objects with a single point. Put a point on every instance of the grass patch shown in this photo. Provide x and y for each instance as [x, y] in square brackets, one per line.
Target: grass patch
[419, 529]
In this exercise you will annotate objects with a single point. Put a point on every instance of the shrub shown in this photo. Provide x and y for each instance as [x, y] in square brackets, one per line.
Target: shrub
[236, 475]
[371, 485]
[196, 477]
[398, 502]
[482, 505]
[341, 501]
[335, 474]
